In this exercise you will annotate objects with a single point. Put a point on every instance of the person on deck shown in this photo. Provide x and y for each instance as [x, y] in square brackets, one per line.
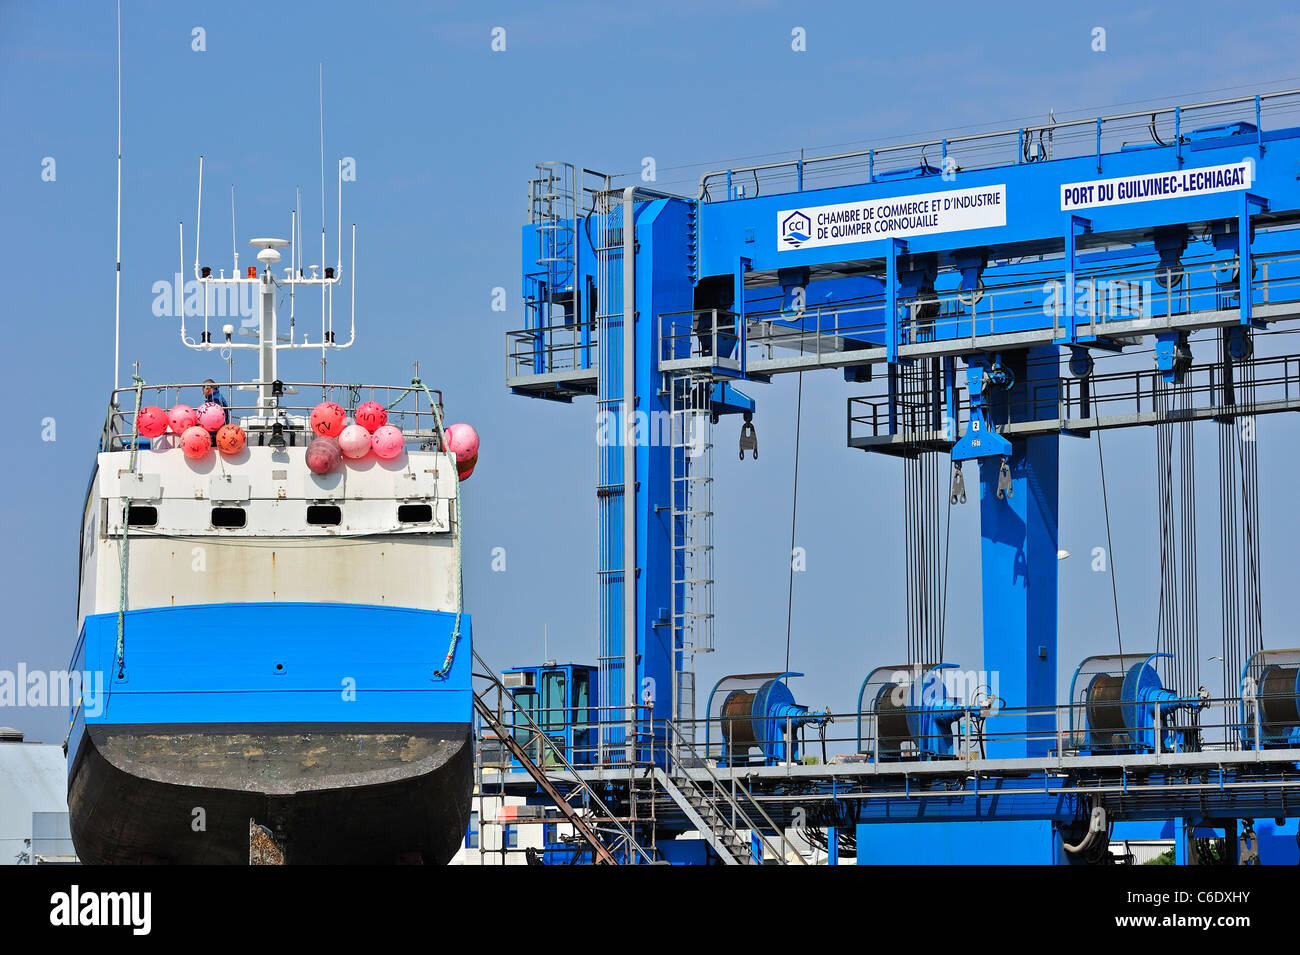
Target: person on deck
[212, 393]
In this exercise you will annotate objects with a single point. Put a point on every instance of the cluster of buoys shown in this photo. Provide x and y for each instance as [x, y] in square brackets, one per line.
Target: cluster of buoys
[462, 441]
[336, 439]
[370, 433]
[197, 429]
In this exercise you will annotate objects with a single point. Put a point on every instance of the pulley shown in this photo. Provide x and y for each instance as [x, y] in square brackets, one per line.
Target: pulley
[748, 438]
[1081, 362]
[958, 493]
[1248, 844]
[1004, 481]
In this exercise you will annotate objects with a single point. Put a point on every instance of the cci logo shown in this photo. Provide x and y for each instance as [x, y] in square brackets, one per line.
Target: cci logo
[796, 229]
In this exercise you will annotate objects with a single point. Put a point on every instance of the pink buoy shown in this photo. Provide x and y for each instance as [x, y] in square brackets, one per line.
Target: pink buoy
[231, 439]
[181, 418]
[462, 441]
[196, 442]
[465, 468]
[211, 416]
[464, 475]
[323, 455]
[371, 416]
[328, 419]
[387, 442]
[354, 442]
[151, 421]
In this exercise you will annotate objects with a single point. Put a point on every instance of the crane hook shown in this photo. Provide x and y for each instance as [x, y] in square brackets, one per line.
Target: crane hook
[748, 439]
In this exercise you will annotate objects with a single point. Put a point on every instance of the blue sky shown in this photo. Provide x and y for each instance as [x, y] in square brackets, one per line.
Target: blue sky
[444, 132]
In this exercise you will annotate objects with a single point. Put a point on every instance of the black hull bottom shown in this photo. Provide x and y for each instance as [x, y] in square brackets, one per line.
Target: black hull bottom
[184, 794]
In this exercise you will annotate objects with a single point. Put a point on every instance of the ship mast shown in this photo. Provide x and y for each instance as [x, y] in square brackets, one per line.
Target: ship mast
[225, 291]
[267, 329]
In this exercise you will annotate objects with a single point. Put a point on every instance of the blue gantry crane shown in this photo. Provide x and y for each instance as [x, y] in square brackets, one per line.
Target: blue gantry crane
[975, 300]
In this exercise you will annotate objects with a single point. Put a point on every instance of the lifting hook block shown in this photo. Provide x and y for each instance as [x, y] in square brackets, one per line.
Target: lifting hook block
[748, 439]
[1004, 481]
[958, 494]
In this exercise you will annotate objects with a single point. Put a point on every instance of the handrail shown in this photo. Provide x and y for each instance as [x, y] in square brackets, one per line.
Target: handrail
[1219, 726]
[1023, 135]
[538, 772]
[718, 786]
[293, 405]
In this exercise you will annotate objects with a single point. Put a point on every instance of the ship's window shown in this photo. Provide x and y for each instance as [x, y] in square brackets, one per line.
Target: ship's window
[229, 517]
[324, 514]
[141, 515]
[471, 834]
[512, 836]
[415, 513]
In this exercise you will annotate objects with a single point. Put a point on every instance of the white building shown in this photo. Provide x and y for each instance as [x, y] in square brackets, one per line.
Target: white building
[33, 802]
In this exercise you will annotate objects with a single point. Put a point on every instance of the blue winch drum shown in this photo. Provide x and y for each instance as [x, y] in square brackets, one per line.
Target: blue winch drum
[1279, 698]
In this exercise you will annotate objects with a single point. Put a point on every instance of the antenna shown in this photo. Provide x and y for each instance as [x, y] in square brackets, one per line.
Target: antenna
[180, 274]
[324, 339]
[352, 280]
[321, 100]
[198, 225]
[338, 240]
[234, 243]
[117, 292]
[293, 237]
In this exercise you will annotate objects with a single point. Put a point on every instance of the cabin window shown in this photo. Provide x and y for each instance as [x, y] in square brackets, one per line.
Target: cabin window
[415, 513]
[229, 517]
[552, 708]
[324, 514]
[581, 697]
[141, 515]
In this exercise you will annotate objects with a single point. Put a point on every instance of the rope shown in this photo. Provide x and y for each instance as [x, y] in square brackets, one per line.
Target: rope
[1179, 629]
[1110, 548]
[925, 567]
[794, 512]
[1240, 610]
[947, 545]
[1165, 637]
[125, 549]
[456, 541]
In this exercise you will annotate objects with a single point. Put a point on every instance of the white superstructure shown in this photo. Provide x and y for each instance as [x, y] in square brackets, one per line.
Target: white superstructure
[260, 527]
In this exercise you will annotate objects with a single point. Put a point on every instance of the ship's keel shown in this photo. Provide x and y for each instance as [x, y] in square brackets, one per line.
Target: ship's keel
[185, 794]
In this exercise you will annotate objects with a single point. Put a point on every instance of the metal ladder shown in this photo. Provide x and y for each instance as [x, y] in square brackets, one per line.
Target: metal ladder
[594, 821]
[553, 196]
[691, 428]
[557, 197]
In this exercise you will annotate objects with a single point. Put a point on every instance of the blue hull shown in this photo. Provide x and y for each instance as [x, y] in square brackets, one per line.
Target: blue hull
[329, 724]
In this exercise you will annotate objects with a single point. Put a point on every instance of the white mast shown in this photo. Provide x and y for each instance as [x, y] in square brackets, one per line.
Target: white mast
[117, 293]
[267, 333]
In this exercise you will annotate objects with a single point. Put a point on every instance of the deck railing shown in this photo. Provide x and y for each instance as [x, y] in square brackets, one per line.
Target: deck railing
[408, 408]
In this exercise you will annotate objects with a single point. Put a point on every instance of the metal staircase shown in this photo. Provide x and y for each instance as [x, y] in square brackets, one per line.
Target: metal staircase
[717, 810]
[612, 843]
